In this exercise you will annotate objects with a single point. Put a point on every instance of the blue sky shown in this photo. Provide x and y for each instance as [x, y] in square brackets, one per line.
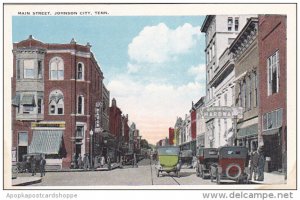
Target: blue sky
[153, 66]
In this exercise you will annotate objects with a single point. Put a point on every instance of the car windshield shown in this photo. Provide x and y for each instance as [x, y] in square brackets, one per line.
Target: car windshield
[213, 152]
[168, 151]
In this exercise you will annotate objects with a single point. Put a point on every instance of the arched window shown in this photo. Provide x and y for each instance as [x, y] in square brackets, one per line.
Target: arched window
[80, 71]
[80, 105]
[56, 103]
[56, 68]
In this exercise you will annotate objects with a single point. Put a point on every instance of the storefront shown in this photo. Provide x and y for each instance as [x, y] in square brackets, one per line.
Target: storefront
[47, 139]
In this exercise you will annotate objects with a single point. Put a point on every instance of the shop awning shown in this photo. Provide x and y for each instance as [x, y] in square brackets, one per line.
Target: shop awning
[248, 131]
[16, 100]
[46, 141]
[27, 99]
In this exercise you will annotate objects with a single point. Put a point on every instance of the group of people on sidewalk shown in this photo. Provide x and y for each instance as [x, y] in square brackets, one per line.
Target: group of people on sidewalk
[42, 164]
[84, 163]
[257, 164]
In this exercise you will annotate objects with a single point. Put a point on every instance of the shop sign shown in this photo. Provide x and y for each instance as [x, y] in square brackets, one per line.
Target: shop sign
[48, 125]
[98, 128]
[223, 112]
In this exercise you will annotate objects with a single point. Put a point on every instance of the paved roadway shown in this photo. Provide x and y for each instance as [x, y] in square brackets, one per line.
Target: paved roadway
[144, 174]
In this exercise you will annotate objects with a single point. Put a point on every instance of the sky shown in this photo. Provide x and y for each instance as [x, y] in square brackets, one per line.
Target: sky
[154, 66]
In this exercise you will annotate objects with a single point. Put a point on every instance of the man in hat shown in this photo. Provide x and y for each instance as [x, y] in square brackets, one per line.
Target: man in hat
[32, 165]
[253, 164]
[42, 165]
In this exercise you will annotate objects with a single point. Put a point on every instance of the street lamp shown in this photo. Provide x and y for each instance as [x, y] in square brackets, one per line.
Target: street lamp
[91, 135]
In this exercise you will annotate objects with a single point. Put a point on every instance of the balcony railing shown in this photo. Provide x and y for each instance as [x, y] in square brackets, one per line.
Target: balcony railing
[225, 58]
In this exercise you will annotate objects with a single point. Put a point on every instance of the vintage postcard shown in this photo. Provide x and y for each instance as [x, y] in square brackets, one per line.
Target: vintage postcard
[149, 96]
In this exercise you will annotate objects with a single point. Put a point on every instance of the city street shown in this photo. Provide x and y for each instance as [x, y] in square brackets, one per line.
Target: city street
[143, 175]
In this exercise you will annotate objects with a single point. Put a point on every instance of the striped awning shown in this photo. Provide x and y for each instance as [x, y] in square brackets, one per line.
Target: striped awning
[27, 99]
[46, 141]
[16, 100]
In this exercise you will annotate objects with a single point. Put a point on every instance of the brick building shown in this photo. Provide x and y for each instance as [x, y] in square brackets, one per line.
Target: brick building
[55, 89]
[272, 78]
[244, 51]
[171, 136]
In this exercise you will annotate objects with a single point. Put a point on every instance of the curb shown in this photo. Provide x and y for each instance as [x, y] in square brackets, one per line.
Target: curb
[28, 182]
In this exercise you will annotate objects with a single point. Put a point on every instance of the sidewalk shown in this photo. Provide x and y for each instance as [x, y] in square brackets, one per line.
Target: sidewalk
[272, 178]
[22, 181]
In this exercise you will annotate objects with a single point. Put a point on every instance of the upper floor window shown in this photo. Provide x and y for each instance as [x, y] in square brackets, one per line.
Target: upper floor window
[56, 103]
[80, 71]
[273, 73]
[229, 23]
[80, 105]
[18, 75]
[29, 68]
[236, 24]
[40, 69]
[56, 69]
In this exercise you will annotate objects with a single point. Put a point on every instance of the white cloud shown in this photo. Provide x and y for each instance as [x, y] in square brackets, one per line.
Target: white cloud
[158, 44]
[133, 68]
[199, 72]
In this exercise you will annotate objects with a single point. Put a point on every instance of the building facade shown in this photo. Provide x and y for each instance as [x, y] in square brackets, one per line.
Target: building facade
[245, 54]
[202, 139]
[55, 89]
[220, 31]
[272, 78]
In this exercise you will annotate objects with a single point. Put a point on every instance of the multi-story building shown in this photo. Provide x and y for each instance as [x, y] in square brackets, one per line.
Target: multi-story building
[171, 136]
[245, 54]
[273, 89]
[220, 31]
[56, 89]
[202, 139]
[178, 130]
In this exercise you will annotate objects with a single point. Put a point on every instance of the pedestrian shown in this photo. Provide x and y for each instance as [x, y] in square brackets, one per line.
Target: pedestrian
[261, 164]
[33, 165]
[74, 161]
[96, 162]
[86, 162]
[253, 164]
[102, 162]
[42, 166]
[79, 161]
[134, 160]
[121, 161]
[108, 163]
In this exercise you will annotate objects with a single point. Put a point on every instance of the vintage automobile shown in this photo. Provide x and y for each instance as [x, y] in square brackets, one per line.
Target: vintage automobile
[128, 159]
[231, 164]
[25, 165]
[206, 157]
[168, 160]
[186, 157]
